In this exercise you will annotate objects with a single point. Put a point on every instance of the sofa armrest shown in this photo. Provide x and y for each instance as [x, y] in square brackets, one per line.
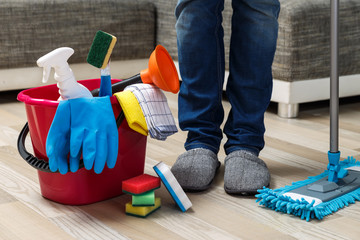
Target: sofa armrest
[303, 45]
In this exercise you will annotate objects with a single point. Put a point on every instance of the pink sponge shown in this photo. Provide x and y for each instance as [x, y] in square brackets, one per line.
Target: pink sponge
[140, 184]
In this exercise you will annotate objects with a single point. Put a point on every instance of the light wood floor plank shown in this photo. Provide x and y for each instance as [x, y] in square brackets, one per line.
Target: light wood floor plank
[23, 223]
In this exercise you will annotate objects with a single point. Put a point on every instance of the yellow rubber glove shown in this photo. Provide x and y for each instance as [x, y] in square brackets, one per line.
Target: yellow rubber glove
[133, 113]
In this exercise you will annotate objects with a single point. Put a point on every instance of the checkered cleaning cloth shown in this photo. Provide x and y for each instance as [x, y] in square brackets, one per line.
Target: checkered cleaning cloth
[153, 103]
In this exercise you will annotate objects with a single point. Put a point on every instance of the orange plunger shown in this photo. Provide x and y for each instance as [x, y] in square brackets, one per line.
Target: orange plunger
[161, 71]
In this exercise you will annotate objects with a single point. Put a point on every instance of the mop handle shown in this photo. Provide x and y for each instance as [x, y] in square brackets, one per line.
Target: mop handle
[334, 78]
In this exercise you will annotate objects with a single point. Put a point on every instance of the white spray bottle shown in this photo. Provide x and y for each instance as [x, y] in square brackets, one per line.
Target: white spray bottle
[66, 82]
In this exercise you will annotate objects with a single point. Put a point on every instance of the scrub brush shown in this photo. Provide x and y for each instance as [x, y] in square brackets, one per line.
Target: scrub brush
[99, 56]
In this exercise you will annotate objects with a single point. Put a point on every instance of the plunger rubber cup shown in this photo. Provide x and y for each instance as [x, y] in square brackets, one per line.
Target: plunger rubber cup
[161, 71]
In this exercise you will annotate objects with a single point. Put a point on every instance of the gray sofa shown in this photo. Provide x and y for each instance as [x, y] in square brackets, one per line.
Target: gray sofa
[301, 66]
[31, 29]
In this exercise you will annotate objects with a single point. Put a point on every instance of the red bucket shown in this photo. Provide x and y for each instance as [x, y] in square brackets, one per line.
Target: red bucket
[83, 186]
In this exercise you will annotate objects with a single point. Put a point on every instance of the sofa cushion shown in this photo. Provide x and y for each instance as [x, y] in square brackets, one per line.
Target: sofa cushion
[303, 47]
[165, 27]
[166, 32]
[31, 29]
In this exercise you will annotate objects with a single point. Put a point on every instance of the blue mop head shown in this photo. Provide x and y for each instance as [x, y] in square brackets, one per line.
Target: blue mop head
[276, 200]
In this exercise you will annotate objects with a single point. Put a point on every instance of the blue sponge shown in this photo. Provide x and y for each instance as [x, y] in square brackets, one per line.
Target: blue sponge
[173, 186]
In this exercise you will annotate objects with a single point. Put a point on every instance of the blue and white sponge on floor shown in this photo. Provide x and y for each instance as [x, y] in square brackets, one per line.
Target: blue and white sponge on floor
[173, 186]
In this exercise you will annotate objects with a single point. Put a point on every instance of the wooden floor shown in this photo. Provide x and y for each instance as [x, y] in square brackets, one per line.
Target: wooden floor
[295, 149]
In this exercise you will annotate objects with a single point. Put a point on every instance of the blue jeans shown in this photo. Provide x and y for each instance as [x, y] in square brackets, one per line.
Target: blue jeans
[202, 69]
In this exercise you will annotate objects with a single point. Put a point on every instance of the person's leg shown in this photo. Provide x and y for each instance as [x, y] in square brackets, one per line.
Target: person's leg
[252, 49]
[201, 62]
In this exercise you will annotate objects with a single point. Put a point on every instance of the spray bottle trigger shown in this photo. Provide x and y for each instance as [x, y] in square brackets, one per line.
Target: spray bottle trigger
[46, 73]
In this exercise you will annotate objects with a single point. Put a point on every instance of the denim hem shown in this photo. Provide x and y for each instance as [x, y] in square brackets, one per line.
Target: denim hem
[201, 145]
[246, 148]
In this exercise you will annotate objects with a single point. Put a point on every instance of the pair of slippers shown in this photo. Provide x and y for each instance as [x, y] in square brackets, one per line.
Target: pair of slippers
[245, 173]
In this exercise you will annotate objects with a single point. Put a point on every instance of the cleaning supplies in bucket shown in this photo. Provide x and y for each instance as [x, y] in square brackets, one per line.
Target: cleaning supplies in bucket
[82, 186]
[82, 125]
[68, 86]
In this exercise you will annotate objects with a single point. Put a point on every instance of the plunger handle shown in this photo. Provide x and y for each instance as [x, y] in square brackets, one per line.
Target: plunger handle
[39, 164]
[119, 86]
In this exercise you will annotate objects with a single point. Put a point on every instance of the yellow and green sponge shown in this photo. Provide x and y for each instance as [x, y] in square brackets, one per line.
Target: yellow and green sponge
[101, 49]
[143, 211]
[142, 189]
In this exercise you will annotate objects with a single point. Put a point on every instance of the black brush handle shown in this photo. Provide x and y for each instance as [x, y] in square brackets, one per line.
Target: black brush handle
[39, 164]
[119, 86]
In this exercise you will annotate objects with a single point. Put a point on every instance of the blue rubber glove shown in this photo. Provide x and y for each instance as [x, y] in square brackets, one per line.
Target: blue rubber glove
[58, 139]
[94, 131]
[86, 124]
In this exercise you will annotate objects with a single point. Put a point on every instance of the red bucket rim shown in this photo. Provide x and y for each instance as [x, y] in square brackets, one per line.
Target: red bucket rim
[23, 96]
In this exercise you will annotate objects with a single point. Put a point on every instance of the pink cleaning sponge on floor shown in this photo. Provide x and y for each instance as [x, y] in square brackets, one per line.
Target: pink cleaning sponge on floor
[141, 184]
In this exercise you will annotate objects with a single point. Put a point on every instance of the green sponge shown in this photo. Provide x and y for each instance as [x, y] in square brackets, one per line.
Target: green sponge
[145, 199]
[101, 49]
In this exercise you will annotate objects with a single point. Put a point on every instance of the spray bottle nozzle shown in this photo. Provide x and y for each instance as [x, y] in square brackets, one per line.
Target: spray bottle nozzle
[55, 58]
[66, 82]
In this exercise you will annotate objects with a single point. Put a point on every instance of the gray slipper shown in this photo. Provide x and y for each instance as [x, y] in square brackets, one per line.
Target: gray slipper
[195, 169]
[245, 173]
